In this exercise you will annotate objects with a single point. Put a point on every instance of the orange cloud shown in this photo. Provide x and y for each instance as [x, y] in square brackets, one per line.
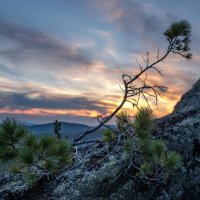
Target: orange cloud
[50, 112]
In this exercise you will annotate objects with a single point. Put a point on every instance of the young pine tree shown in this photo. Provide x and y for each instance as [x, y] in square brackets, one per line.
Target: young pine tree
[12, 132]
[148, 155]
[57, 129]
[34, 157]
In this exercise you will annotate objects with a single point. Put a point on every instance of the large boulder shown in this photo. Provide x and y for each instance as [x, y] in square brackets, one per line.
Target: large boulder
[190, 98]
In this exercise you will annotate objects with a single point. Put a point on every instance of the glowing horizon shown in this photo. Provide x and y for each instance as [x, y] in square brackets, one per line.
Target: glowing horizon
[66, 61]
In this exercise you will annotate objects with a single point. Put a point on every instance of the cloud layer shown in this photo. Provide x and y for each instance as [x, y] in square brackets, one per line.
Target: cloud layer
[45, 76]
[41, 49]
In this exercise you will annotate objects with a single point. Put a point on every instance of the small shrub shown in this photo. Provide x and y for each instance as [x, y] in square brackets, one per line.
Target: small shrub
[172, 161]
[11, 133]
[128, 145]
[123, 121]
[32, 156]
[108, 136]
[149, 156]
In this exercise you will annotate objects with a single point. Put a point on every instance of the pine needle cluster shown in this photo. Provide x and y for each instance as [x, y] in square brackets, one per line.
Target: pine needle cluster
[34, 157]
[148, 155]
[11, 133]
[108, 136]
[179, 36]
[123, 121]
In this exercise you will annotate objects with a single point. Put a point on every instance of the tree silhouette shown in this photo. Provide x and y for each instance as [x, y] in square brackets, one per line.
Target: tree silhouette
[178, 37]
[57, 129]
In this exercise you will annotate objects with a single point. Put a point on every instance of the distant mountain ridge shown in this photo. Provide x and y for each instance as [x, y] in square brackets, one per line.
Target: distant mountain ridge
[28, 123]
[69, 130]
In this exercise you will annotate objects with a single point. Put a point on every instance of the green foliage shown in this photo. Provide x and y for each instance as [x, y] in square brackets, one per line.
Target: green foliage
[31, 142]
[144, 146]
[128, 145]
[11, 132]
[7, 153]
[61, 151]
[146, 168]
[49, 165]
[61, 148]
[122, 119]
[143, 123]
[46, 143]
[108, 136]
[32, 156]
[12, 129]
[149, 155]
[26, 156]
[57, 129]
[31, 179]
[172, 161]
[47, 154]
[179, 34]
[158, 148]
[15, 169]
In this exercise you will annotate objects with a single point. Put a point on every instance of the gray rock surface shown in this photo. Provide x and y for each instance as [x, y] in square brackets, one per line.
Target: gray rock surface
[190, 98]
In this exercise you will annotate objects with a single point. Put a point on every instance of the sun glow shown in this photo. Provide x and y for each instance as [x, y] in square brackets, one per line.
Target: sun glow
[51, 112]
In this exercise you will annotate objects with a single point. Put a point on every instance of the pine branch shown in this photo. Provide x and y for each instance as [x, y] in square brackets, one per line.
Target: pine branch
[178, 37]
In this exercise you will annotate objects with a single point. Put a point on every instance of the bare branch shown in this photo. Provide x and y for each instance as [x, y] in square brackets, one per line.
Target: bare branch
[139, 65]
[146, 61]
[130, 90]
[146, 100]
[121, 88]
[158, 55]
[159, 71]
[87, 142]
[147, 57]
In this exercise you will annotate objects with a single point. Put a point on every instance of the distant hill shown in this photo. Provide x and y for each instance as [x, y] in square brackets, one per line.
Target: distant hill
[28, 123]
[70, 130]
[23, 122]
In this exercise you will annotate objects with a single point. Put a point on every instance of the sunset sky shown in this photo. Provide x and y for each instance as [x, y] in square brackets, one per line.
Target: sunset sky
[63, 59]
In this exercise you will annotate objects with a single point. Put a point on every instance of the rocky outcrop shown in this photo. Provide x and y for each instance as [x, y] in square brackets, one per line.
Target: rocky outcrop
[12, 187]
[190, 98]
[99, 171]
